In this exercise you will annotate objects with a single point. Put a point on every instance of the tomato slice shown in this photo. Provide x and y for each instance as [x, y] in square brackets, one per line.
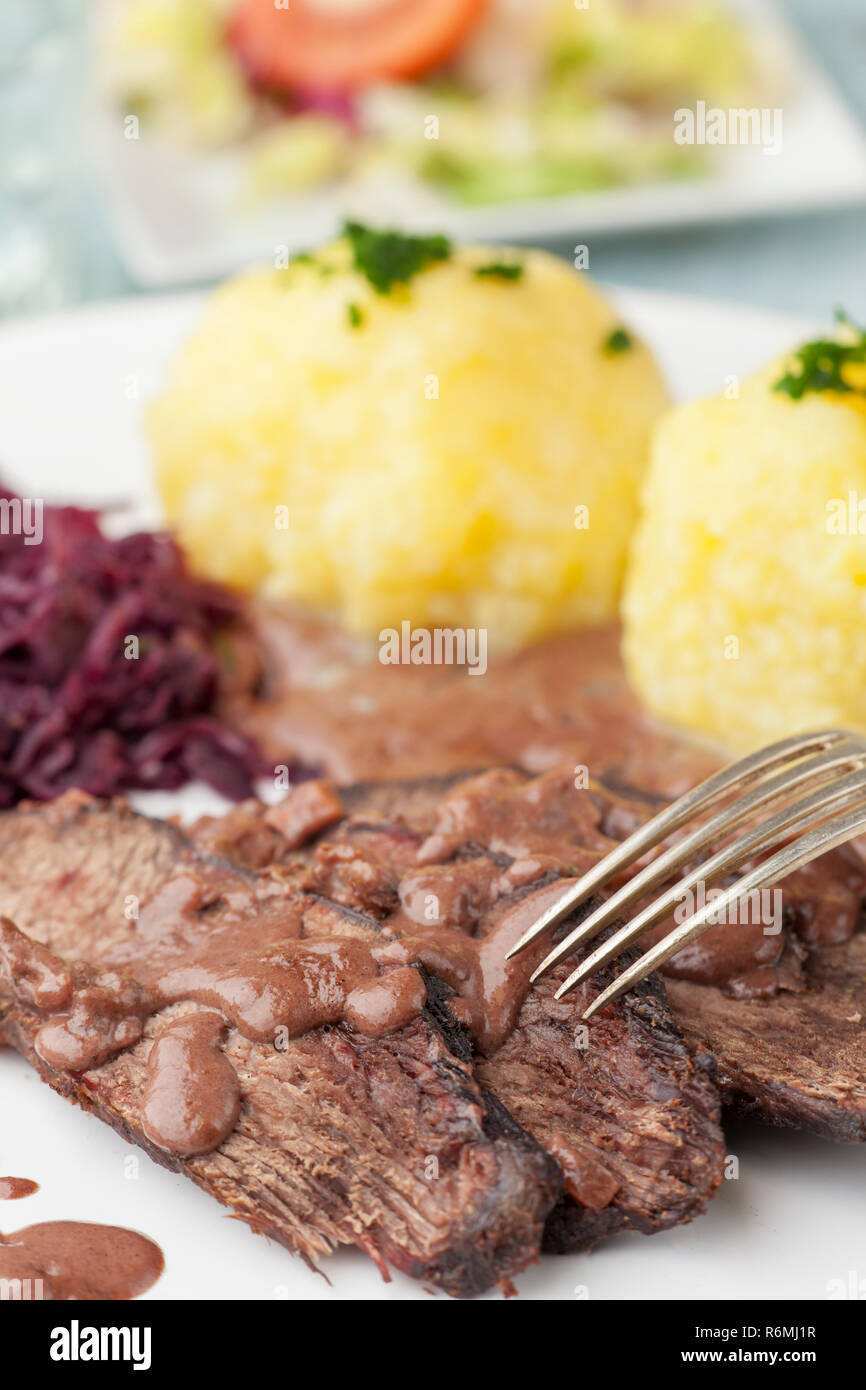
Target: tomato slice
[309, 46]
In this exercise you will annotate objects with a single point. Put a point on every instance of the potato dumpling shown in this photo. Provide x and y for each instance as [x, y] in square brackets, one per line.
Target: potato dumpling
[417, 451]
[745, 597]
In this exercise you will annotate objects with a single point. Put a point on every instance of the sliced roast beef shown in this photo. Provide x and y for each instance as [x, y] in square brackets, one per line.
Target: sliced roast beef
[787, 1037]
[621, 1104]
[387, 1143]
[390, 1142]
[797, 1058]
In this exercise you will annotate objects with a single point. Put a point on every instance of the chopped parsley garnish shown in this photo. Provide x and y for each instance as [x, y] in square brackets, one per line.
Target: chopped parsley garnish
[355, 315]
[820, 364]
[500, 270]
[617, 341]
[392, 258]
[303, 258]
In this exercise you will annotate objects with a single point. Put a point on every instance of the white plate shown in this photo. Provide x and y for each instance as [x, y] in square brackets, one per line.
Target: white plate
[790, 1224]
[177, 222]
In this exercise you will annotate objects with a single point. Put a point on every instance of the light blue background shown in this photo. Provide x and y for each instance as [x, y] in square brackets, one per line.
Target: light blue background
[805, 263]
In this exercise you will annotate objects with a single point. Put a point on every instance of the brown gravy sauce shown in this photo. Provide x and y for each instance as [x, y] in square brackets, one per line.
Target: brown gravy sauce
[77, 1260]
[820, 904]
[192, 1097]
[490, 990]
[250, 967]
[13, 1189]
[325, 699]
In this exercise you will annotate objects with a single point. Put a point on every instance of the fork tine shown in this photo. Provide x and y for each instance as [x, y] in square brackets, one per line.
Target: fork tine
[764, 836]
[741, 773]
[816, 842]
[821, 765]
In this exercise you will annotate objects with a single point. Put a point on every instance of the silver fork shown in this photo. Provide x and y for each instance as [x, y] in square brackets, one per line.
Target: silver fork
[829, 766]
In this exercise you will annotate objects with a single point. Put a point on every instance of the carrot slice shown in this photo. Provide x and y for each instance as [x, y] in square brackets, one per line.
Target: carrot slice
[307, 46]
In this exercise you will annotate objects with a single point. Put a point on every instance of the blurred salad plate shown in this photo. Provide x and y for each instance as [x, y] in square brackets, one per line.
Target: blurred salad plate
[227, 129]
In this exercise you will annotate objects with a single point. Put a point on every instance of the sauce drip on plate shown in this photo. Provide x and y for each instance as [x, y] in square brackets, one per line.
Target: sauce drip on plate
[12, 1189]
[77, 1260]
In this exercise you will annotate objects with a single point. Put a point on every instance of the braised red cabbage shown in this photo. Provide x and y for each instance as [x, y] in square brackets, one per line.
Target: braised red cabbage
[108, 664]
